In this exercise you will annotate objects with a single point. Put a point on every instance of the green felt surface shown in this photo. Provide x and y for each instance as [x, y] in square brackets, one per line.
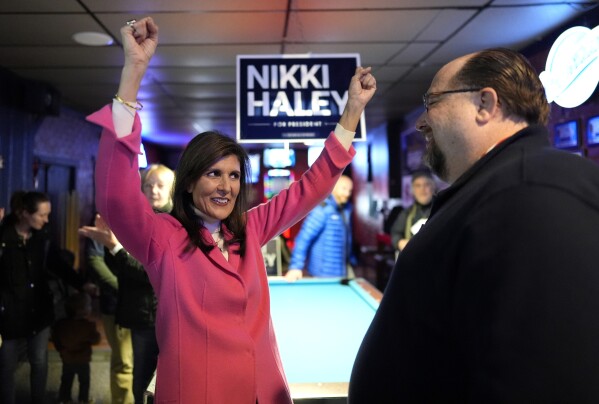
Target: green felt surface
[319, 324]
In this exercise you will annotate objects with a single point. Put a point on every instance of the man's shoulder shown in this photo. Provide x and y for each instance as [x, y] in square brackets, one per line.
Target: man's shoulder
[527, 168]
[559, 169]
[404, 213]
[319, 209]
[547, 168]
[550, 157]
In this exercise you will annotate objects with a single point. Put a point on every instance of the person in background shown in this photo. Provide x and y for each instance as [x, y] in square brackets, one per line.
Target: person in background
[136, 302]
[411, 219]
[119, 338]
[496, 298]
[323, 245]
[204, 260]
[73, 338]
[157, 184]
[28, 260]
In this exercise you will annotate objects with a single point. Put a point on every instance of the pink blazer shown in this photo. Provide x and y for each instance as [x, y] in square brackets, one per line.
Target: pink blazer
[213, 325]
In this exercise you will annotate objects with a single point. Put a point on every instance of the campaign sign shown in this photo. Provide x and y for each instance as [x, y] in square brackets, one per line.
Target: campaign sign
[292, 98]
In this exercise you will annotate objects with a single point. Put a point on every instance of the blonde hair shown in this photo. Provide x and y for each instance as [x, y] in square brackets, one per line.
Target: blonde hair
[156, 169]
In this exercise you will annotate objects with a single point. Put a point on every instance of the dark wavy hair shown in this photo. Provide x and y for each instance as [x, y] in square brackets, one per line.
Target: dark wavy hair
[511, 75]
[200, 154]
[23, 201]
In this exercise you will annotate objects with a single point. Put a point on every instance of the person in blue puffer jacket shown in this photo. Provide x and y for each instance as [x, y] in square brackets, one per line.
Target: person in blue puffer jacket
[323, 247]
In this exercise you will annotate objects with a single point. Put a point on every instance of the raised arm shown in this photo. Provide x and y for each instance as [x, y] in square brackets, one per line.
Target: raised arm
[140, 39]
[291, 205]
[361, 89]
[118, 189]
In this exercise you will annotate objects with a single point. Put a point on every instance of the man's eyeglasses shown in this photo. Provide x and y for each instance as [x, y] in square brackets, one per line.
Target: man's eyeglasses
[427, 96]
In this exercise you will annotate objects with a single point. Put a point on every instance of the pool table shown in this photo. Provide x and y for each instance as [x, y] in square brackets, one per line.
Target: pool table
[319, 324]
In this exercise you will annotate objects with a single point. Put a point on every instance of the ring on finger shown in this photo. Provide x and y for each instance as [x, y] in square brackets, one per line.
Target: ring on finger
[130, 24]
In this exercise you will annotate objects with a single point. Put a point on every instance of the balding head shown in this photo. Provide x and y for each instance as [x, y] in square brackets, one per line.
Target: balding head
[473, 103]
[510, 74]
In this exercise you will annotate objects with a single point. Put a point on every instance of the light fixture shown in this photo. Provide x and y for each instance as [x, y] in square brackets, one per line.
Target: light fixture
[93, 38]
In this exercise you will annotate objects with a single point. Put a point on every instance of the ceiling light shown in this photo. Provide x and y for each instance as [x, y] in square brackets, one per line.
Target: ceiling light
[92, 39]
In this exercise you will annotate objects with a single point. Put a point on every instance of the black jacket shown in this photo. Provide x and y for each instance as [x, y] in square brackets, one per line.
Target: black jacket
[136, 302]
[414, 213]
[496, 299]
[26, 301]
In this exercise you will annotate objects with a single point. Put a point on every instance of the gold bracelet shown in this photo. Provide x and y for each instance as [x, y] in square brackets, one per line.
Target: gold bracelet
[136, 106]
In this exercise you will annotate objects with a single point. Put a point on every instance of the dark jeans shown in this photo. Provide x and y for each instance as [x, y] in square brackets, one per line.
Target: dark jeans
[145, 358]
[69, 370]
[37, 354]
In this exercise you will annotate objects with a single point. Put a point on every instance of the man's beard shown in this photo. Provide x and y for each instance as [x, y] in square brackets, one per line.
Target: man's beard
[435, 159]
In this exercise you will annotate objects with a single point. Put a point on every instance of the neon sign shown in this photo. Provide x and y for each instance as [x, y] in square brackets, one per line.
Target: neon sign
[572, 70]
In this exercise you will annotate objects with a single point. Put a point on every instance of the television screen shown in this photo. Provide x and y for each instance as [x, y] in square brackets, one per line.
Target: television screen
[275, 181]
[254, 167]
[593, 131]
[279, 158]
[566, 134]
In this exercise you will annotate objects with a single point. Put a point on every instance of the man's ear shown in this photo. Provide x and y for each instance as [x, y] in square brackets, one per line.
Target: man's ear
[488, 105]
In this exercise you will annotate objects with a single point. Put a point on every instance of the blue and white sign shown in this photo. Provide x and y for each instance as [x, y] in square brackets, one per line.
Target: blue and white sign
[292, 98]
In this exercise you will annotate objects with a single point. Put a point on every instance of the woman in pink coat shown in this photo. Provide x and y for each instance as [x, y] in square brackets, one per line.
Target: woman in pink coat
[204, 260]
